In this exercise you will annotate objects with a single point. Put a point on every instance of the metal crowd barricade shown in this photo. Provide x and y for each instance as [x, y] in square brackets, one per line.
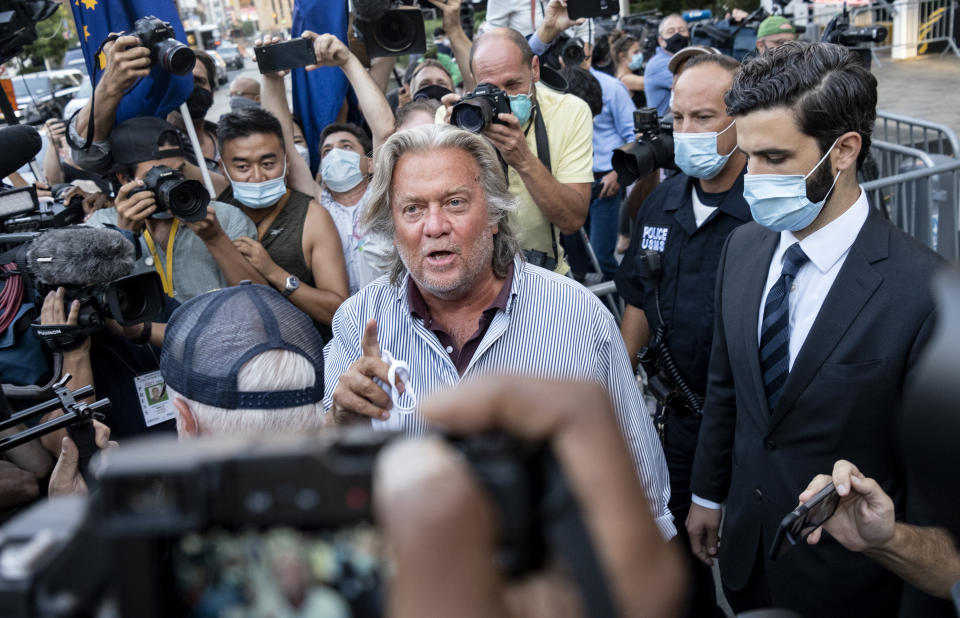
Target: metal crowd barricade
[935, 24]
[925, 203]
[930, 137]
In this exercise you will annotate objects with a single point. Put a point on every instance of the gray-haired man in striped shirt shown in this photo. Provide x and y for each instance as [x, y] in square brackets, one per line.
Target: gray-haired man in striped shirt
[460, 302]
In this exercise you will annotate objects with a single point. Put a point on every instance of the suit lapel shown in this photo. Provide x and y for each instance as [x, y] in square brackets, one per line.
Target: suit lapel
[758, 264]
[855, 284]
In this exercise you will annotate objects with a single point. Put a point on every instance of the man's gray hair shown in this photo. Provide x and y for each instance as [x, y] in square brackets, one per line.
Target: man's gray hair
[378, 218]
[663, 22]
[273, 370]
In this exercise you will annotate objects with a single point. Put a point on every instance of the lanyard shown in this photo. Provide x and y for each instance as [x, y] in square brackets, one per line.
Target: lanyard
[166, 278]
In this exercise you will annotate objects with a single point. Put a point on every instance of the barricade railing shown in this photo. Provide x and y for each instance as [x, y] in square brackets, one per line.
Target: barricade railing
[930, 137]
[892, 159]
[925, 203]
[935, 21]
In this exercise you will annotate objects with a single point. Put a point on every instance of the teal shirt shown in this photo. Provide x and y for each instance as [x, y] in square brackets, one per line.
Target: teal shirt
[194, 269]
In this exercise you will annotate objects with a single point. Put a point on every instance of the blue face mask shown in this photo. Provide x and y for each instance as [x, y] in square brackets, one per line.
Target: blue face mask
[340, 170]
[779, 201]
[521, 105]
[696, 153]
[636, 62]
[260, 194]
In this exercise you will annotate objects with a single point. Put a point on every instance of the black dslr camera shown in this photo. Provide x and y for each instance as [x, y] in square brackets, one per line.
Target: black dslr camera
[185, 199]
[158, 36]
[652, 150]
[227, 526]
[839, 32]
[392, 27]
[479, 108]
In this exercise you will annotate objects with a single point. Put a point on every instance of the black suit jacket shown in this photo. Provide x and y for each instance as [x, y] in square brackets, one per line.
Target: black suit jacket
[839, 402]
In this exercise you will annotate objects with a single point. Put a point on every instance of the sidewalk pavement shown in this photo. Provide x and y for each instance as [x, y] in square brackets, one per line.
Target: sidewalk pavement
[925, 87]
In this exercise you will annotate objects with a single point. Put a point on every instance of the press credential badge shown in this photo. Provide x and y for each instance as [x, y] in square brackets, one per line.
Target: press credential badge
[155, 403]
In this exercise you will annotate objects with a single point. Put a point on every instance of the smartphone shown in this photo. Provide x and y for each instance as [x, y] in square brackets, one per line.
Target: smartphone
[592, 8]
[286, 55]
[804, 519]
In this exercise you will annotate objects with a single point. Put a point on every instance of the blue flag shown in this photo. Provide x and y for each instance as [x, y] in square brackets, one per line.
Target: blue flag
[318, 95]
[158, 93]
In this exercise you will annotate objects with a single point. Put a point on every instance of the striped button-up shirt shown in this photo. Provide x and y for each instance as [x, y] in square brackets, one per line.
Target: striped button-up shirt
[552, 328]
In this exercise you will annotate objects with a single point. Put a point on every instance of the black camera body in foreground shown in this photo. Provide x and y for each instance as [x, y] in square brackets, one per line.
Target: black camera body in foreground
[128, 542]
[477, 109]
[652, 150]
[396, 31]
[165, 50]
[185, 199]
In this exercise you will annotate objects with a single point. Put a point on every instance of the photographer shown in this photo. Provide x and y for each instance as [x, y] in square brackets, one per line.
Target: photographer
[773, 32]
[612, 128]
[439, 523]
[344, 164]
[190, 257]
[865, 521]
[126, 62]
[683, 225]
[459, 43]
[823, 308]
[546, 142]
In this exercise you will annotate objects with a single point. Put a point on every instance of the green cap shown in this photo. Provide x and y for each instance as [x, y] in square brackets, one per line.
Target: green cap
[775, 24]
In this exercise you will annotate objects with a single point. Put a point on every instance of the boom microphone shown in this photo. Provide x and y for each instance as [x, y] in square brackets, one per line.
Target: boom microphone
[80, 256]
[19, 144]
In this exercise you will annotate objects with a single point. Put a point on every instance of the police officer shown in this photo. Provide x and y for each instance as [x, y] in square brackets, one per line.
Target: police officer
[667, 275]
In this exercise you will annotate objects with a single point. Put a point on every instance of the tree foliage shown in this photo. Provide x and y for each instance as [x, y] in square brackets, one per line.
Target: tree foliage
[54, 37]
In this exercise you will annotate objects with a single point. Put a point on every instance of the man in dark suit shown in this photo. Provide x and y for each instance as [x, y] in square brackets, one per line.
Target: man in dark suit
[822, 309]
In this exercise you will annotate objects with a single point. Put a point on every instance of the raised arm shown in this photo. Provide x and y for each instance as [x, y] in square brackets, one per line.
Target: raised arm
[331, 51]
[459, 43]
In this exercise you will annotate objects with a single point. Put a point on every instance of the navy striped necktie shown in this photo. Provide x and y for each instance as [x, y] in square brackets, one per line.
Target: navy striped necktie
[775, 333]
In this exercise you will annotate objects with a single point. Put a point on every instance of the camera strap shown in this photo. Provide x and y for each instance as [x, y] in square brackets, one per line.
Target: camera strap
[543, 153]
[166, 277]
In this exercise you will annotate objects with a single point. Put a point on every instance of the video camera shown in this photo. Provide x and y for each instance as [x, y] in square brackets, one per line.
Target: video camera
[18, 24]
[477, 109]
[93, 266]
[839, 32]
[158, 36]
[391, 27]
[234, 527]
[22, 211]
[652, 150]
[185, 199]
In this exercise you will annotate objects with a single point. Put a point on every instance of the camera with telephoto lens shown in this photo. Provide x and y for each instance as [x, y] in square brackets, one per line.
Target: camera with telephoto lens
[185, 199]
[477, 109]
[392, 28]
[839, 32]
[165, 50]
[652, 150]
[230, 526]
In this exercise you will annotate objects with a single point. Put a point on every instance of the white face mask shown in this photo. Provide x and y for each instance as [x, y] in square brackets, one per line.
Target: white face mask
[304, 152]
[340, 170]
[260, 194]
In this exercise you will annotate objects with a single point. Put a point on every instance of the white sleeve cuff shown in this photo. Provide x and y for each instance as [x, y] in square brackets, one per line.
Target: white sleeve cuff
[707, 504]
[665, 524]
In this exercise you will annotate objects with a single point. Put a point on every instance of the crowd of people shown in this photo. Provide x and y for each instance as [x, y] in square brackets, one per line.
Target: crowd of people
[770, 310]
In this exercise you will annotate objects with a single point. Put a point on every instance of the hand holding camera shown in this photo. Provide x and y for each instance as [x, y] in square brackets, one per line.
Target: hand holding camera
[556, 20]
[134, 206]
[53, 313]
[127, 61]
[328, 49]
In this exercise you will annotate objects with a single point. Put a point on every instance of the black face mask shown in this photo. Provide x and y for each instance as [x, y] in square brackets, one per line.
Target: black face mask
[676, 43]
[431, 92]
[200, 102]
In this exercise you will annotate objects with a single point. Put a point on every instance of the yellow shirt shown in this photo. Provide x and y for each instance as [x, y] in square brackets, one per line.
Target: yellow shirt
[570, 136]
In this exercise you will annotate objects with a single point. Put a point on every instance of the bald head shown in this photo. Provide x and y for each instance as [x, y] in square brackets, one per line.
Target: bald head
[497, 36]
[245, 87]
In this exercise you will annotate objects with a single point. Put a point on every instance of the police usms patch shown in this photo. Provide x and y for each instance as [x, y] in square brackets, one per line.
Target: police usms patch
[654, 237]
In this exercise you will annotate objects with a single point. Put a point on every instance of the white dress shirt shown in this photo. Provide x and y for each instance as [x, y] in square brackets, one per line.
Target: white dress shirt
[827, 249]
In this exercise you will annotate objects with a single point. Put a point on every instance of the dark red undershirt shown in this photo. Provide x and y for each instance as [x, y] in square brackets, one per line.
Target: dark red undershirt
[461, 358]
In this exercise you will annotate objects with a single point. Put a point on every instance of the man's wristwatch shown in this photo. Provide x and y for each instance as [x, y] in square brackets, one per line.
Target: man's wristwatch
[291, 286]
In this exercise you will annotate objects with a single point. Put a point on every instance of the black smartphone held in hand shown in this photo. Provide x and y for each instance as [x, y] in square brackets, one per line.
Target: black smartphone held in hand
[592, 8]
[804, 519]
[286, 55]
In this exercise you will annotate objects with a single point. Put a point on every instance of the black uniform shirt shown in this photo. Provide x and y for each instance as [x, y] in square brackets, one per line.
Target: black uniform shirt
[689, 258]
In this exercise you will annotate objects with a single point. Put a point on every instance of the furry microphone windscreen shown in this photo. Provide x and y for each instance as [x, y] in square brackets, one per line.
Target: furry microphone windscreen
[80, 256]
